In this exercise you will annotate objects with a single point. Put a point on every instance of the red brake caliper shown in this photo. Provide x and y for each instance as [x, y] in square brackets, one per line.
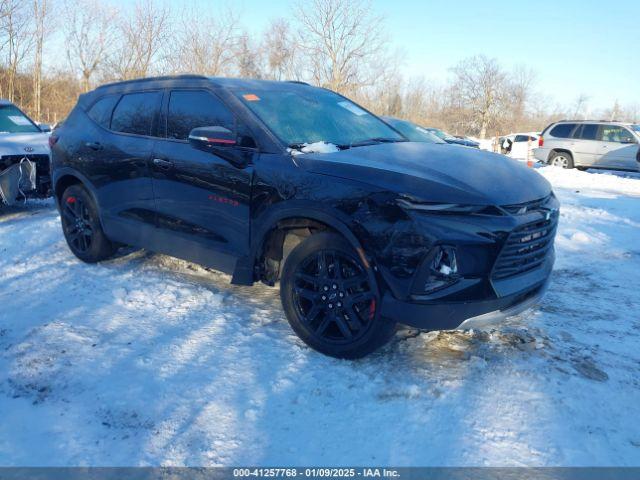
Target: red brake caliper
[372, 309]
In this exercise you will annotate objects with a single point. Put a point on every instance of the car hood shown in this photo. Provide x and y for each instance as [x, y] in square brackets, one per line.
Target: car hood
[24, 143]
[434, 172]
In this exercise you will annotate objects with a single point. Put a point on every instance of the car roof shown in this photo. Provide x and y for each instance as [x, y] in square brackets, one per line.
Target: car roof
[615, 122]
[221, 82]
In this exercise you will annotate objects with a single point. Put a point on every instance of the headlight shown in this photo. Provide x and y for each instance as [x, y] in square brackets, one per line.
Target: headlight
[408, 203]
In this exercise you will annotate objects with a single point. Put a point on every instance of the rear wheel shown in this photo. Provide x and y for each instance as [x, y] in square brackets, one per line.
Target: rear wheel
[331, 300]
[561, 159]
[81, 226]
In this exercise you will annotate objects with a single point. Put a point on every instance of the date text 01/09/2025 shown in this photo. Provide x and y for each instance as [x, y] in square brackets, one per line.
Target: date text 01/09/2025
[316, 472]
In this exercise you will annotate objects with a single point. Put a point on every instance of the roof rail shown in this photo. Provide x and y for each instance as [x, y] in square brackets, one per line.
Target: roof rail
[588, 120]
[298, 82]
[150, 79]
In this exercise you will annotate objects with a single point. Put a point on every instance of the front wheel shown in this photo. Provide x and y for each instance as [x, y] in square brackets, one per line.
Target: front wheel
[561, 159]
[331, 300]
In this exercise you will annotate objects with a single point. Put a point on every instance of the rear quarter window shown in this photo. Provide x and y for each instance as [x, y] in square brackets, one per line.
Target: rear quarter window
[135, 113]
[562, 130]
[100, 112]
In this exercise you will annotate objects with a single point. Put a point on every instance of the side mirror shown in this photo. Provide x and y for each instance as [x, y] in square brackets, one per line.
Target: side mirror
[218, 140]
[45, 127]
[205, 138]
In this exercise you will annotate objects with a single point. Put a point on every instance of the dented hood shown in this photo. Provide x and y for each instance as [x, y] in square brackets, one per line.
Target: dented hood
[434, 172]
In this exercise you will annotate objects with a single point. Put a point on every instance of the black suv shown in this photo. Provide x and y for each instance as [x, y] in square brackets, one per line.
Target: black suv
[281, 181]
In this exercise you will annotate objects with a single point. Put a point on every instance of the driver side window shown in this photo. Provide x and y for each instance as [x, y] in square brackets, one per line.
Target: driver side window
[189, 109]
[615, 133]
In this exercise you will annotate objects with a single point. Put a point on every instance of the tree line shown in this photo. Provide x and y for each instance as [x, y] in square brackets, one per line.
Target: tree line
[338, 44]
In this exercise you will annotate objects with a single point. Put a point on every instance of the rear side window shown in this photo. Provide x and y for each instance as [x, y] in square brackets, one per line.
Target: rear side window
[101, 111]
[587, 131]
[135, 113]
[521, 138]
[196, 108]
[562, 130]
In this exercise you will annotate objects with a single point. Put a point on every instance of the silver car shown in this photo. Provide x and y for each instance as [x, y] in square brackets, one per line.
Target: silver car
[24, 156]
[590, 144]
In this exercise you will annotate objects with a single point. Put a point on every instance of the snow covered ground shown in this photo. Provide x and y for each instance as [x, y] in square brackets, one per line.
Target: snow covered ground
[147, 360]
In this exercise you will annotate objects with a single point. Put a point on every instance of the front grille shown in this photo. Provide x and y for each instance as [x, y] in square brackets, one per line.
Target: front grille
[526, 248]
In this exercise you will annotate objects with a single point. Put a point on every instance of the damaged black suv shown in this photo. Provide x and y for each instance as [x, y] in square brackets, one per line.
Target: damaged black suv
[281, 181]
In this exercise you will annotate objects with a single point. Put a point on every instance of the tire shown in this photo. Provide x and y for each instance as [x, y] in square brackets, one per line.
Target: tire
[81, 226]
[330, 298]
[561, 159]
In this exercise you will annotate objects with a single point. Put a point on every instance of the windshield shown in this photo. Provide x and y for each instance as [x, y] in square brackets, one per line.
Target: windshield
[315, 115]
[12, 120]
[439, 133]
[413, 132]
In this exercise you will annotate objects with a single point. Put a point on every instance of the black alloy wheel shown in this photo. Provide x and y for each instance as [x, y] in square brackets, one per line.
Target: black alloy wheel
[81, 226]
[333, 296]
[331, 299]
[77, 223]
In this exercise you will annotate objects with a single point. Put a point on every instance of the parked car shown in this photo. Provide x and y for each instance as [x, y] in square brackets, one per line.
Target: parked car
[519, 145]
[413, 132]
[590, 144]
[452, 139]
[24, 156]
[377, 230]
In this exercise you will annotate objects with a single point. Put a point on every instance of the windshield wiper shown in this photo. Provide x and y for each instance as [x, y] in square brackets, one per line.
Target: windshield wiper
[371, 141]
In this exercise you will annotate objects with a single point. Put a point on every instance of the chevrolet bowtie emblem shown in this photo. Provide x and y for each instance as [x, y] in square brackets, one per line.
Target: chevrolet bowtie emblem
[28, 149]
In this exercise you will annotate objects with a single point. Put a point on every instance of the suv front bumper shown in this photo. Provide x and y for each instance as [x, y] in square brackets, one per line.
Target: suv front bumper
[525, 291]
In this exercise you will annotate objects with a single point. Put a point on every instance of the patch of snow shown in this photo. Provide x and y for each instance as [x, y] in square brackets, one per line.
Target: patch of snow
[316, 147]
[149, 360]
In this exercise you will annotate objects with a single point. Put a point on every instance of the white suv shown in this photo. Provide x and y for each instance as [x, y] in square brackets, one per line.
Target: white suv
[590, 144]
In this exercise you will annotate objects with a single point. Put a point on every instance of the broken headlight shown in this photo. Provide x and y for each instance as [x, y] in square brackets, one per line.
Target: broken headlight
[439, 270]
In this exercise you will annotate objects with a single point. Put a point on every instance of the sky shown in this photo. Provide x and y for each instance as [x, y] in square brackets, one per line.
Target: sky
[589, 47]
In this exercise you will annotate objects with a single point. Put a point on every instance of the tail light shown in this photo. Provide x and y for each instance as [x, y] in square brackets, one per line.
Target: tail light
[540, 141]
[52, 140]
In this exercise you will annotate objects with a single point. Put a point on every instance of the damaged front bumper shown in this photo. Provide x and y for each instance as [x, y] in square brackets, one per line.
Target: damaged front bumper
[22, 177]
[521, 293]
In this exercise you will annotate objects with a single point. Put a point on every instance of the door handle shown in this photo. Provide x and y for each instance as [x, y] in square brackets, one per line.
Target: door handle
[163, 164]
[94, 145]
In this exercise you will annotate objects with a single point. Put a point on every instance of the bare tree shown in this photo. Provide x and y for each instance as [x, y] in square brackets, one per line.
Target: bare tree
[281, 51]
[248, 58]
[479, 84]
[580, 106]
[519, 85]
[615, 111]
[16, 29]
[142, 36]
[43, 26]
[206, 46]
[342, 41]
[89, 32]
